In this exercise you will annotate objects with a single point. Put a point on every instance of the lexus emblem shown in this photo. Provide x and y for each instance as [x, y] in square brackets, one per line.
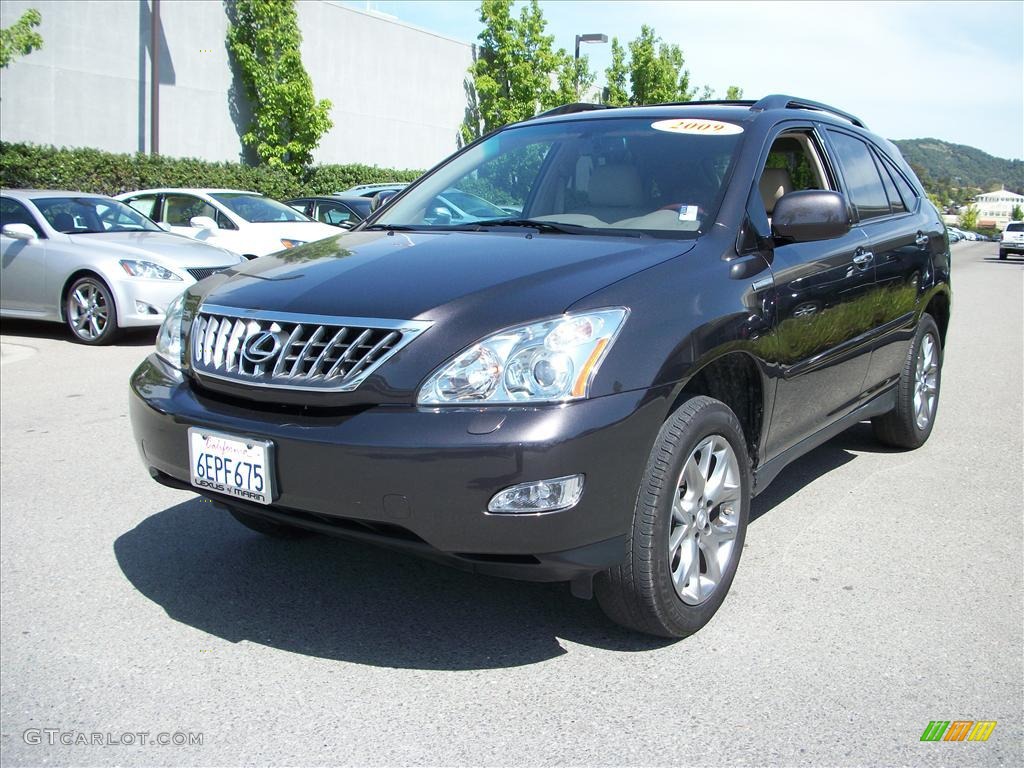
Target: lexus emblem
[261, 347]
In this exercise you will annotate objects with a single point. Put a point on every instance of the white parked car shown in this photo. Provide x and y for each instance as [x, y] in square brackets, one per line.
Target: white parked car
[246, 223]
[93, 263]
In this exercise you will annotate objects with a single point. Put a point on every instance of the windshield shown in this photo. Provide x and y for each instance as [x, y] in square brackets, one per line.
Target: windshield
[590, 176]
[258, 209]
[90, 215]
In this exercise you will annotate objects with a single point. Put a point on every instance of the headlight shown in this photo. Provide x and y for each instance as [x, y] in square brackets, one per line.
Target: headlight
[287, 243]
[548, 361]
[148, 270]
[168, 338]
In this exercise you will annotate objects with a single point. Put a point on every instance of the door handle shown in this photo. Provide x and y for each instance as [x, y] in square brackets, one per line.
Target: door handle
[863, 258]
[921, 240]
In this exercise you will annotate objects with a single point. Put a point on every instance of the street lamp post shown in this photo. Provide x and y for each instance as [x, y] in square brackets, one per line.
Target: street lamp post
[591, 38]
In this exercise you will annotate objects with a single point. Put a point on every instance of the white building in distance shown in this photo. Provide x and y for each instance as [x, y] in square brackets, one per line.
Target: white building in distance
[995, 209]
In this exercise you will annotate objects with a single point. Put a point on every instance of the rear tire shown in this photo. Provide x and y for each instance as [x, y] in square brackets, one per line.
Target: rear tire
[910, 423]
[689, 525]
[268, 527]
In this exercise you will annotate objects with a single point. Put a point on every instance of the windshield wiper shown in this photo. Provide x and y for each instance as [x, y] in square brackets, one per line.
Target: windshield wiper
[397, 227]
[538, 224]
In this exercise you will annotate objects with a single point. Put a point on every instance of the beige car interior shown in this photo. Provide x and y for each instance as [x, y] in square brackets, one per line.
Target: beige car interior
[794, 149]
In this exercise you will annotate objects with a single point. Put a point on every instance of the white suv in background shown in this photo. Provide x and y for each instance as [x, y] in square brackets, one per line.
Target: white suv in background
[246, 223]
[1012, 240]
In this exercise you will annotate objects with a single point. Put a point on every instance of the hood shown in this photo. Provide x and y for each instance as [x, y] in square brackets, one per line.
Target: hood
[467, 284]
[162, 247]
[431, 275]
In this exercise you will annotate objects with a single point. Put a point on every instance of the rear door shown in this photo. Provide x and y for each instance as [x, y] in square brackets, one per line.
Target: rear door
[902, 233]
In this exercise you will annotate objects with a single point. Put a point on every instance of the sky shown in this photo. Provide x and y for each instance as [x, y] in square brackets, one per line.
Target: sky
[947, 70]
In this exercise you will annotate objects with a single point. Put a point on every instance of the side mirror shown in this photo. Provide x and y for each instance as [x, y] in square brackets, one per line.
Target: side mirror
[811, 214]
[18, 232]
[442, 216]
[164, 226]
[203, 222]
[381, 199]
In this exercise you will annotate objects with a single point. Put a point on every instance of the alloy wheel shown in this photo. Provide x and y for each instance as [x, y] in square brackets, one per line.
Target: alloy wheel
[926, 381]
[705, 519]
[88, 310]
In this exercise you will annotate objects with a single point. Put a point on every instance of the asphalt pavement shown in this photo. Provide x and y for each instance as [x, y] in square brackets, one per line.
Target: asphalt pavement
[878, 591]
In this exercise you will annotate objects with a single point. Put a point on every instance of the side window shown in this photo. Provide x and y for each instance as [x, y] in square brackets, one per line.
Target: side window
[13, 212]
[862, 180]
[895, 201]
[793, 164]
[906, 192]
[223, 221]
[332, 213]
[179, 210]
[144, 204]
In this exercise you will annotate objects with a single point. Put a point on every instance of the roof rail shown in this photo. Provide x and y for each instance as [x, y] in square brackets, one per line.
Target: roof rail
[708, 103]
[780, 101]
[569, 109]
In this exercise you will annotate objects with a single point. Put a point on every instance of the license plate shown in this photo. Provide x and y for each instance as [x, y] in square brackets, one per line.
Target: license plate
[235, 466]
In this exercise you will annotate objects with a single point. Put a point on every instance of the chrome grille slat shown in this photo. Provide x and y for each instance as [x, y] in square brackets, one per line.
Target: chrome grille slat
[293, 351]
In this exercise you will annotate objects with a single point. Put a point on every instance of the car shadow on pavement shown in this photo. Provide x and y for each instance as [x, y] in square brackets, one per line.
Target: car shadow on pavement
[819, 462]
[334, 599]
[330, 598]
[128, 337]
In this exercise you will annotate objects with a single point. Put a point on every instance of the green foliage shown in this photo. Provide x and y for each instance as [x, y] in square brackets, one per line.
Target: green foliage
[734, 93]
[98, 172]
[616, 76]
[656, 70]
[955, 172]
[969, 218]
[574, 79]
[1017, 214]
[20, 39]
[511, 75]
[288, 122]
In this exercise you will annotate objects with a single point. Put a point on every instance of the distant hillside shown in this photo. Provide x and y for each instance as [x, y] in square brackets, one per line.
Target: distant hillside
[948, 165]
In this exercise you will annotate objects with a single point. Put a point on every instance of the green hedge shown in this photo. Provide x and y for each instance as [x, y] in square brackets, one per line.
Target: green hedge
[107, 173]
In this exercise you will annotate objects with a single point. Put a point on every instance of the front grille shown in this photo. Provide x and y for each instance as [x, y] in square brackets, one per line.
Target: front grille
[294, 351]
[200, 272]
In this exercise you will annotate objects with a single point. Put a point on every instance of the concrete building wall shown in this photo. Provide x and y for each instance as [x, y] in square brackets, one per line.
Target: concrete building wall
[397, 91]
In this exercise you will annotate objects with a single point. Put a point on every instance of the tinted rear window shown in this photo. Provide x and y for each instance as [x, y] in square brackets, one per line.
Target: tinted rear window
[1017, 226]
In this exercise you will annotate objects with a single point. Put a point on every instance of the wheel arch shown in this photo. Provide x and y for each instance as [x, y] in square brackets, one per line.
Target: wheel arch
[75, 275]
[939, 308]
[735, 378]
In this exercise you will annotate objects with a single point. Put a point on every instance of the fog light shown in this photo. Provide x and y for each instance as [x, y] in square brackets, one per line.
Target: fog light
[145, 309]
[538, 496]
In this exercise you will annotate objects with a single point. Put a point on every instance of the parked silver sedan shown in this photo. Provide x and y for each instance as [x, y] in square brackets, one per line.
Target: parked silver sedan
[93, 263]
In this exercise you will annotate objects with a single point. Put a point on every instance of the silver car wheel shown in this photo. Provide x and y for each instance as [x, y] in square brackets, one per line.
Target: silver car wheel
[926, 381]
[88, 310]
[705, 517]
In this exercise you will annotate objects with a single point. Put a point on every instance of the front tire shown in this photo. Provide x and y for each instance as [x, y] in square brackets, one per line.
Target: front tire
[689, 525]
[90, 312]
[909, 424]
[1003, 254]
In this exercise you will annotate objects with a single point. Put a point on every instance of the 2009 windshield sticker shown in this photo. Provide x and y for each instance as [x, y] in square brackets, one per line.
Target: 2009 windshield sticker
[697, 126]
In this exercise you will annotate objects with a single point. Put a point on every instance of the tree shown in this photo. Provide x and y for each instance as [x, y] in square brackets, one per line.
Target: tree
[1017, 214]
[616, 76]
[287, 122]
[656, 70]
[513, 70]
[969, 217]
[574, 79]
[734, 93]
[20, 39]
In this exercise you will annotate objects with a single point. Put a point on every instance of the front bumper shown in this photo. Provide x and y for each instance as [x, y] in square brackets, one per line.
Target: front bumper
[154, 295]
[421, 478]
